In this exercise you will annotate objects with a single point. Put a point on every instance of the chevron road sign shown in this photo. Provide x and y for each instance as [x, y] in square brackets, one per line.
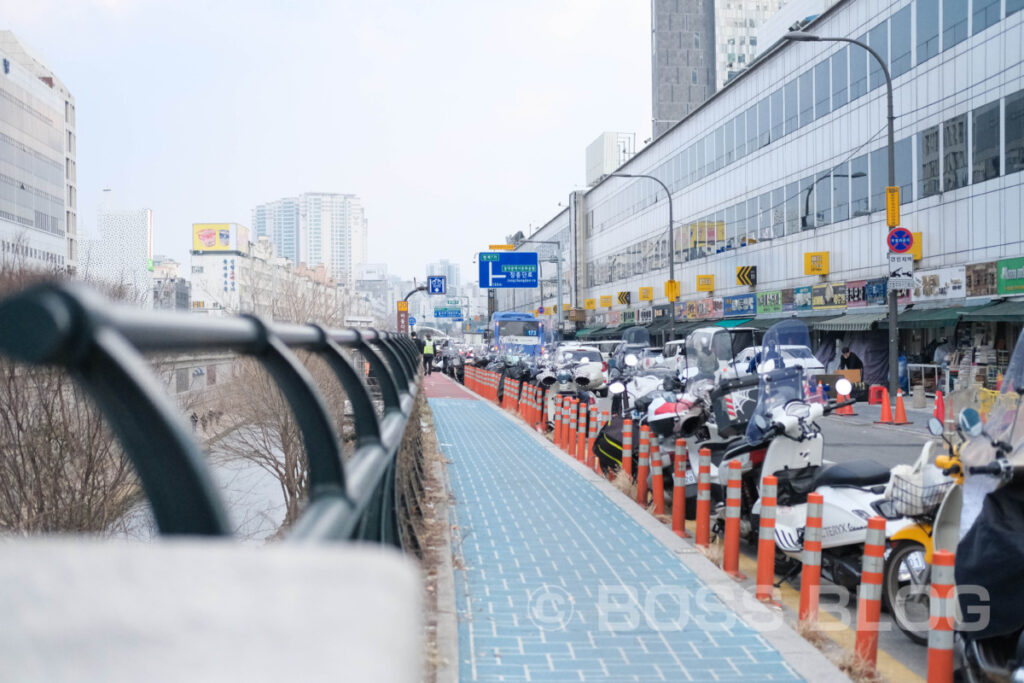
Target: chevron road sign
[746, 275]
[624, 297]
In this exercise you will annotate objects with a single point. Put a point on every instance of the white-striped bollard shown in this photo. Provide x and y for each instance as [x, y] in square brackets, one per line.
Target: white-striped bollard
[942, 613]
[766, 540]
[869, 597]
[810, 574]
[679, 490]
[703, 532]
[731, 551]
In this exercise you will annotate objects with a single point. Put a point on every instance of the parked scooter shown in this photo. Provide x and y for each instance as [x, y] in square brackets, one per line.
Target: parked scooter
[785, 423]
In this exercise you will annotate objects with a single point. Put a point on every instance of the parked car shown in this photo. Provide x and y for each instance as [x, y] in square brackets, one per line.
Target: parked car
[792, 355]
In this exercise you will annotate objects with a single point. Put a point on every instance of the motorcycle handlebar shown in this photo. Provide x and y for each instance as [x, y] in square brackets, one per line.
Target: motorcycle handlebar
[828, 409]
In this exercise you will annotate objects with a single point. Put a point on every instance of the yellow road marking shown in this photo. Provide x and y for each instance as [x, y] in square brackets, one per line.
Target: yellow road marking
[834, 629]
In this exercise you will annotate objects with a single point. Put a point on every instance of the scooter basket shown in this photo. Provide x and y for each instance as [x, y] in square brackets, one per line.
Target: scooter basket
[912, 499]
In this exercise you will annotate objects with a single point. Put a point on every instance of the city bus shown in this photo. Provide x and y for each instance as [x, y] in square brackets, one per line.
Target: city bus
[517, 333]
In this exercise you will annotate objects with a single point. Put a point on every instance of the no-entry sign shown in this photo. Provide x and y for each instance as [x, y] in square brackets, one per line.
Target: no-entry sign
[900, 240]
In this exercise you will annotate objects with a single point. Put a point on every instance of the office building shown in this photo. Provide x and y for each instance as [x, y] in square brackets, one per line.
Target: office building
[785, 170]
[122, 254]
[736, 34]
[171, 291]
[451, 271]
[682, 59]
[317, 228]
[38, 173]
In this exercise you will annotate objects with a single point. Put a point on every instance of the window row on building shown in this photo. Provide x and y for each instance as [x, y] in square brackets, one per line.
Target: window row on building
[14, 249]
[902, 40]
[962, 150]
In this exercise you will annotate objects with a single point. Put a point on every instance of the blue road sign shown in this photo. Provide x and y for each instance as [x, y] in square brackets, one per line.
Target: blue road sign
[499, 269]
[436, 284]
[452, 313]
[412, 320]
[900, 240]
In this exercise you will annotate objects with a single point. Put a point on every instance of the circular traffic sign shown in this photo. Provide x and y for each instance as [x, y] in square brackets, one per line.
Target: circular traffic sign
[540, 310]
[412, 320]
[900, 240]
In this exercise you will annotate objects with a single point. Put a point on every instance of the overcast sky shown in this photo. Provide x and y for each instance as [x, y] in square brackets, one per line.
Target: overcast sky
[457, 121]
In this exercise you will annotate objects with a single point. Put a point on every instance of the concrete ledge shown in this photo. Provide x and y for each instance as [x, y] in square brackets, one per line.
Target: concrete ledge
[207, 610]
[805, 659]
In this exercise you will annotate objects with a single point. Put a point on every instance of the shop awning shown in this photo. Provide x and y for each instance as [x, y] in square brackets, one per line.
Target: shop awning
[732, 322]
[923, 318]
[856, 322]
[659, 324]
[589, 331]
[1003, 311]
[684, 328]
[763, 323]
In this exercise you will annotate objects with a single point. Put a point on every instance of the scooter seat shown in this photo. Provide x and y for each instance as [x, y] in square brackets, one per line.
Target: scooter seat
[854, 473]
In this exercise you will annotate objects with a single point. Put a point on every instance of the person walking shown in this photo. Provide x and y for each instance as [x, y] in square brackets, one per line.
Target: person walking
[428, 355]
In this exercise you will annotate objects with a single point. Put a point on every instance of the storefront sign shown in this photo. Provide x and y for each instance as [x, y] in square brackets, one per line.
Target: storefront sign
[614, 317]
[662, 311]
[875, 292]
[941, 284]
[831, 295]
[601, 319]
[788, 299]
[705, 283]
[1011, 275]
[705, 308]
[855, 294]
[741, 305]
[606, 301]
[801, 298]
[646, 294]
[629, 316]
[644, 316]
[680, 311]
[691, 310]
[981, 279]
[769, 302]
[816, 263]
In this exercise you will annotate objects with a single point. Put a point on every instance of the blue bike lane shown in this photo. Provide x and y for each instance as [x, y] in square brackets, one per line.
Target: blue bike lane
[555, 580]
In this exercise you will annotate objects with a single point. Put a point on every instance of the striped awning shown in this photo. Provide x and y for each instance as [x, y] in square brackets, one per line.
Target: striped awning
[856, 322]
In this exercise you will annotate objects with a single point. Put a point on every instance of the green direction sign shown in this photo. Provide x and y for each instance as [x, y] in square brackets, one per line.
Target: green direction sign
[490, 257]
[1011, 275]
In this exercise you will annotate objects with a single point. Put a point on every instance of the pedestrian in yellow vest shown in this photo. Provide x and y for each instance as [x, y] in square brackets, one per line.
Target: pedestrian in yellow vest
[428, 355]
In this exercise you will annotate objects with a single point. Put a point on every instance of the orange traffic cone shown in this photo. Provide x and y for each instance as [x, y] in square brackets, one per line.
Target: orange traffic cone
[940, 406]
[845, 410]
[886, 409]
[901, 414]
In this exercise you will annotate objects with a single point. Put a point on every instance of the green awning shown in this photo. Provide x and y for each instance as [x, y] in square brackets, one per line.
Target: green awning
[588, 331]
[1004, 311]
[856, 322]
[662, 323]
[732, 322]
[684, 328]
[923, 318]
[763, 323]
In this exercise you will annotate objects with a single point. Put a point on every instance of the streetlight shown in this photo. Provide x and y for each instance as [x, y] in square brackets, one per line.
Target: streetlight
[671, 238]
[802, 36]
[807, 199]
[557, 259]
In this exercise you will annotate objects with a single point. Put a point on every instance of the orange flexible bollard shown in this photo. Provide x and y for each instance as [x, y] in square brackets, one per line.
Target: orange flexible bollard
[766, 540]
[643, 466]
[581, 436]
[901, 414]
[557, 435]
[627, 447]
[570, 442]
[886, 417]
[810, 574]
[703, 532]
[731, 554]
[869, 597]
[679, 490]
[657, 479]
[941, 617]
[940, 406]
[591, 440]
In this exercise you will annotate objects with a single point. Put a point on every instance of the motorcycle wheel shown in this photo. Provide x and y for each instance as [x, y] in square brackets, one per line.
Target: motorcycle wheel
[906, 584]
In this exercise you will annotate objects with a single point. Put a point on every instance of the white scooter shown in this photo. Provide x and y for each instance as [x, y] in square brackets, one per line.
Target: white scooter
[785, 422]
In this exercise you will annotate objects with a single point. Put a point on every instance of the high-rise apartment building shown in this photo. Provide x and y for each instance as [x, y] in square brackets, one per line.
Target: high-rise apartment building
[38, 177]
[317, 228]
[736, 26]
[449, 270]
[682, 58]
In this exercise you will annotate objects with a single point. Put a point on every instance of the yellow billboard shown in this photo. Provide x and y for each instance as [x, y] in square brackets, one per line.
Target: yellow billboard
[647, 294]
[606, 301]
[590, 304]
[214, 237]
[705, 283]
[816, 263]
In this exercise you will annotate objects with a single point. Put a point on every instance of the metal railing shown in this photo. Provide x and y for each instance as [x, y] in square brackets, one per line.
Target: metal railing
[101, 344]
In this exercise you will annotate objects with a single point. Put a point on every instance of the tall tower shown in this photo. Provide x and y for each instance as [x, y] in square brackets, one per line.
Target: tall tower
[682, 59]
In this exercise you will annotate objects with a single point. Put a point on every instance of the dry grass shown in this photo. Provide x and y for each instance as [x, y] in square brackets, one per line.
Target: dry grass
[858, 670]
[713, 552]
[625, 484]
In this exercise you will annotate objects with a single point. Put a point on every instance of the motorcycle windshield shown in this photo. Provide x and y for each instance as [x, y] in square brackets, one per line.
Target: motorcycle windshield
[777, 383]
[708, 355]
[1005, 423]
[637, 336]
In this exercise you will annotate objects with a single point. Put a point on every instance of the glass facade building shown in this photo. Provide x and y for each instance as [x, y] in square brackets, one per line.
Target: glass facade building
[790, 160]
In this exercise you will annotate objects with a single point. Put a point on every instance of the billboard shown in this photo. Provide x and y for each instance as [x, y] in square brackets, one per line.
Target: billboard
[220, 237]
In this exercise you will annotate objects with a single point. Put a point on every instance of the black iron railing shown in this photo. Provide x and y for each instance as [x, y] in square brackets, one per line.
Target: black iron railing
[101, 344]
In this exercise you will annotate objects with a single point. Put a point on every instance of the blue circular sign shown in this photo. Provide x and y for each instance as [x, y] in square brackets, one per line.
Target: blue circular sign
[900, 240]
[412, 320]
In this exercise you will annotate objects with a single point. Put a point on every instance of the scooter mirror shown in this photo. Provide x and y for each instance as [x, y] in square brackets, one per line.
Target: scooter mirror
[616, 388]
[935, 426]
[843, 386]
[970, 421]
[631, 360]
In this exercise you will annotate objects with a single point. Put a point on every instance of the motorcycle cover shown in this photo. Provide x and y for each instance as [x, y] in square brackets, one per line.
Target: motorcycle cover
[608, 445]
[991, 556]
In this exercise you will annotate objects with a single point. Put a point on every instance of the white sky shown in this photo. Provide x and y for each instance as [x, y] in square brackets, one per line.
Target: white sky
[457, 121]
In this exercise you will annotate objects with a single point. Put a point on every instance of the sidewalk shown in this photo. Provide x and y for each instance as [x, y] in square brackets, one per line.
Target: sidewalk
[557, 580]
